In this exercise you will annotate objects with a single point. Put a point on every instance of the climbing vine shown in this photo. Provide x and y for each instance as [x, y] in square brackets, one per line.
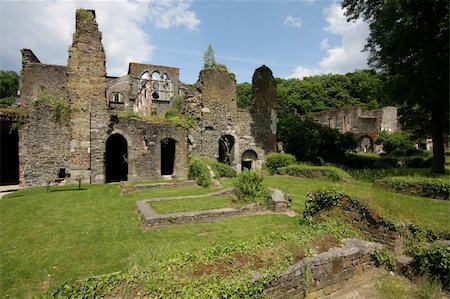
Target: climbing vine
[57, 101]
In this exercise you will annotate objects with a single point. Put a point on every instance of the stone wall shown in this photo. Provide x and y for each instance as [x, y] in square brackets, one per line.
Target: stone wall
[86, 86]
[329, 274]
[361, 123]
[43, 147]
[144, 147]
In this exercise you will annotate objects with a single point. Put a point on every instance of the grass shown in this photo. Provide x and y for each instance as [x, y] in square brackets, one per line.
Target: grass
[49, 238]
[196, 204]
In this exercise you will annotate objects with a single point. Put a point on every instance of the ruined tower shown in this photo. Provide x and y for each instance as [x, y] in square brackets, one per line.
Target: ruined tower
[86, 85]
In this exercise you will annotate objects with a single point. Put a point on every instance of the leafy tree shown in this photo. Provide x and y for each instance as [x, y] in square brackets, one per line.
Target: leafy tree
[310, 141]
[208, 58]
[244, 94]
[9, 83]
[408, 41]
[396, 141]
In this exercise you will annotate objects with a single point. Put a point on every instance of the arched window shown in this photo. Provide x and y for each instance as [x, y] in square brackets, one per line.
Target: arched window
[156, 75]
[248, 160]
[145, 76]
[165, 76]
[226, 149]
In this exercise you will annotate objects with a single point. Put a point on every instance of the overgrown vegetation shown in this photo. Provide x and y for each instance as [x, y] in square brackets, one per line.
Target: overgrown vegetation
[426, 187]
[276, 160]
[315, 172]
[58, 102]
[249, 188]
[9, 84]
[198, 171]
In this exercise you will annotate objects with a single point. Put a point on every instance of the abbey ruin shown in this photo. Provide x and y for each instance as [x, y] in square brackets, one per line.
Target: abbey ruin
[81, 121]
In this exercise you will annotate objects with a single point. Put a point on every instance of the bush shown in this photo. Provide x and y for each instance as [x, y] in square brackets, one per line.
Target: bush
[198, 171]
[276, 160]
[249, 188]
[396, 143]
[426, 187]
[322, 199]
[433, 260]
[315, 172]
[223, 170]
[371, 175]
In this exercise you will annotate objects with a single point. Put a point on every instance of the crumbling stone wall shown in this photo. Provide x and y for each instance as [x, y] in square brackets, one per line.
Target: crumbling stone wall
[87, 95]
[363, 124]
[144, 147]
[118, 93]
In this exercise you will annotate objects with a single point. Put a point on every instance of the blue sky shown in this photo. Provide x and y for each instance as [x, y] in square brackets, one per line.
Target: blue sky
[293, 38]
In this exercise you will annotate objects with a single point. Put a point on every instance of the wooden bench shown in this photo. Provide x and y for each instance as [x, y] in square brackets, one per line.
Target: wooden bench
[59, 180]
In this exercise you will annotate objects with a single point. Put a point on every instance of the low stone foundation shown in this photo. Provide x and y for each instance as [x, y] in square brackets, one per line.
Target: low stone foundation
[329, 274]
[151, 220]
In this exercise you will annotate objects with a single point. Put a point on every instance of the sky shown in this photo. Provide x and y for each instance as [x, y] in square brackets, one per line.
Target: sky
[295, 38]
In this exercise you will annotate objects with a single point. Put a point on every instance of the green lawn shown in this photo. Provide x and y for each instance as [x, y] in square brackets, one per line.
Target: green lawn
[197, 204]
[49, 238]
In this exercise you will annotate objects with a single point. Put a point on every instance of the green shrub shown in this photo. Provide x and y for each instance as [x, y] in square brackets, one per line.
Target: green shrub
[396, 143]
[249, 188]
[371, 175]
[433, 260]
[276, 160]
[426, 187]
[322, 199]
[223, 170]
[315, 172]
[198, 171]
[383, 257]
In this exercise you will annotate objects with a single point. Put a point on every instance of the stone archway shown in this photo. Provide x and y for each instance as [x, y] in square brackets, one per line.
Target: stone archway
[116, 159]
[248, 159]
[168, 147]
[9, 154]
[365, 144]
[226, 149]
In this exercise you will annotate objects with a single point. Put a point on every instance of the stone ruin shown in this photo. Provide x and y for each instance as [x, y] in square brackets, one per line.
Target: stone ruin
[83, 127]
[365, 125]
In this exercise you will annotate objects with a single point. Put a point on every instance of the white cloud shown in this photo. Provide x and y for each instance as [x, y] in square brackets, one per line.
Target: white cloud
[348, 56]
[324, 44]
[293, 21]
[47, 28]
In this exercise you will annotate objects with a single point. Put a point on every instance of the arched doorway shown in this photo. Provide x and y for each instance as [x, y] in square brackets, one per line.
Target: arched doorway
[9, 154]
[365, 144]
[116, 159]
[248, 160]
[168, 146]
[226, 149]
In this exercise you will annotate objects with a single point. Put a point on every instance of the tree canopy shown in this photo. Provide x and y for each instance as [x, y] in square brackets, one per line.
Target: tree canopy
[209, 59]
[9, 84]
[408, 42]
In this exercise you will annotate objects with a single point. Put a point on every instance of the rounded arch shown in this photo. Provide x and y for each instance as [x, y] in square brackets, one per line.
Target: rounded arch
[165, 77]
[248, 159]
[116, 158]
[168, 150]
[155, 95]
[365, 144]
[145, 76]
[226, 149]
[156, 75]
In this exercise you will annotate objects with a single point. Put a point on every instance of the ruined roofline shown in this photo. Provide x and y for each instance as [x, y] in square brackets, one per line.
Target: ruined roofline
[132, 66]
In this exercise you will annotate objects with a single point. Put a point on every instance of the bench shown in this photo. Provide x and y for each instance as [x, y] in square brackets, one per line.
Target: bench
[59, 180]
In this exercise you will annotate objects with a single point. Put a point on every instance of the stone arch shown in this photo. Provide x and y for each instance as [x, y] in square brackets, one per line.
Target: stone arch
[165, 77]
[248, 159]
[156, 75]
[117, 97]
[9, 154]
[168, 150]
[145, 76]
[365, 144]
[116, 158]
[226, 149]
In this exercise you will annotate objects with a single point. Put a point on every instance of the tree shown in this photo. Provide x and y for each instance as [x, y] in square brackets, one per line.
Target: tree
[244, 94]
[408, 41]
[208, 58]
[9, 83]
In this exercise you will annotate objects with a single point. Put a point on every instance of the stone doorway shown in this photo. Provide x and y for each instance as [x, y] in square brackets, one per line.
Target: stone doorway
[365, 144]
[226, 149]
[248, 160]
[116, 159]
[168, 146]
[9, 154]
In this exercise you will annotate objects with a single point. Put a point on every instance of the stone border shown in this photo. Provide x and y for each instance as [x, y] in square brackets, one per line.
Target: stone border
[332, 273]
[151, 220]
[125, 189]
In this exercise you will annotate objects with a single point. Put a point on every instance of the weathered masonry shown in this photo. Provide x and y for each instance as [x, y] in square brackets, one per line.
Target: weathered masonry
[365, 125]
[87, 124]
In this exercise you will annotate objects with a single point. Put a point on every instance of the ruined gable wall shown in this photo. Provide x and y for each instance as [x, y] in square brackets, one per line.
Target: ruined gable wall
[43, 139]
[120, 85]
[87, 95]
[213, 98]
[144, 147]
